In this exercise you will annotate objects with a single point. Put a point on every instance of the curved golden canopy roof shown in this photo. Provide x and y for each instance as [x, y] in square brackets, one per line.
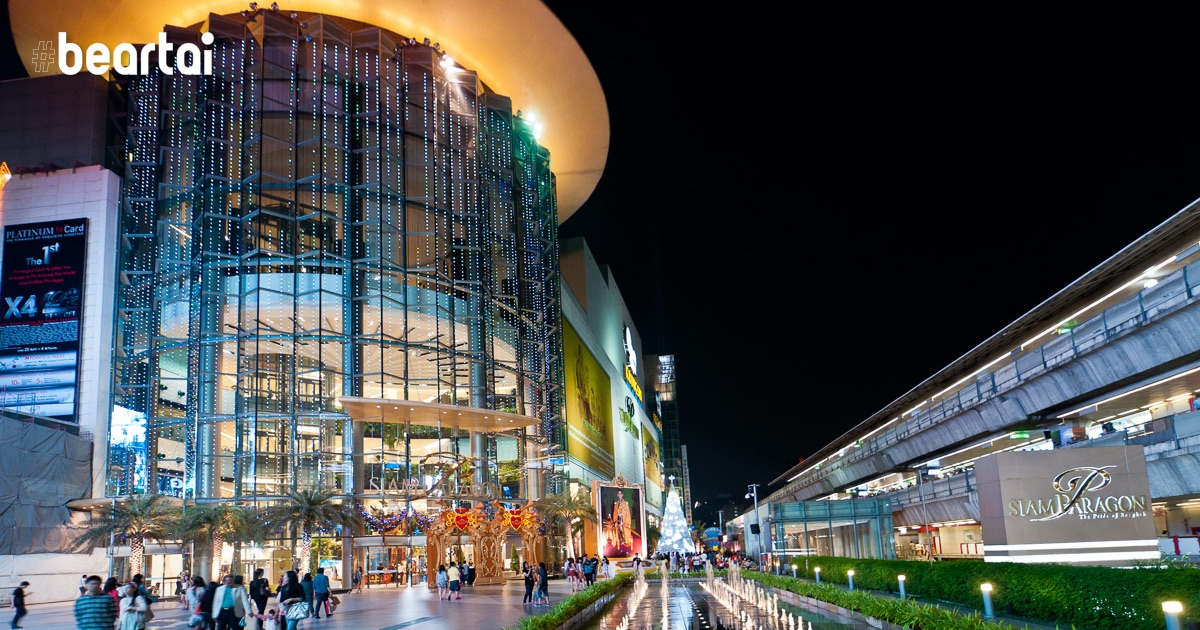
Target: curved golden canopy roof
[517, 47]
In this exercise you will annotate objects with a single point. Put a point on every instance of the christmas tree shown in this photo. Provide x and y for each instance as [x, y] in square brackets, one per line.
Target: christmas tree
[676, 535]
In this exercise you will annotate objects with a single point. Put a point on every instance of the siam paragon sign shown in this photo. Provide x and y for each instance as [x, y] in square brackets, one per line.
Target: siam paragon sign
[1083, 505]
[1078, 493]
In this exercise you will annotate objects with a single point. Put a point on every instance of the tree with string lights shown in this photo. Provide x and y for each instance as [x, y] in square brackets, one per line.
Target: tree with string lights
[676, 534]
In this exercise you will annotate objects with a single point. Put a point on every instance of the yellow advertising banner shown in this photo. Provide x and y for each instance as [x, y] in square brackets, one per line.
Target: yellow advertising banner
[588, 406]
[654, 489]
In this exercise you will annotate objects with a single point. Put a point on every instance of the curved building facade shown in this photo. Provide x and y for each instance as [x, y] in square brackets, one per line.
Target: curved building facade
[338, 270]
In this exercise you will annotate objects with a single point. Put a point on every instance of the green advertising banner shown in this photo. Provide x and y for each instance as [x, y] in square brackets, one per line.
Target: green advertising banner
[588, 407]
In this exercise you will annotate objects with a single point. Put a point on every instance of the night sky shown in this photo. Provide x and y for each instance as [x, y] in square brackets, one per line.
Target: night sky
[815, 212]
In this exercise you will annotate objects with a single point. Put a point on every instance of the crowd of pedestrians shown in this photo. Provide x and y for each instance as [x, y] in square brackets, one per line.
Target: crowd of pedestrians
[230, 604]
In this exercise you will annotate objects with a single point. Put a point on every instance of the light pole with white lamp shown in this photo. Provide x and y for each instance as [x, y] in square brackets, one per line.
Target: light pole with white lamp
[753, 491]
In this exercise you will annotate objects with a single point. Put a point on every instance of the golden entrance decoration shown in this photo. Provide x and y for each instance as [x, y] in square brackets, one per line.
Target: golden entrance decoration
[488, 525]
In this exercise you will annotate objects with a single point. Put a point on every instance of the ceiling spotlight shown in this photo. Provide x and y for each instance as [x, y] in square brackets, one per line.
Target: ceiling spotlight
[274, 6]
[437, 46]
[519, 112]
[426, 41]
[293, 15]
[253, 6]
[304, 25]
[412, 41]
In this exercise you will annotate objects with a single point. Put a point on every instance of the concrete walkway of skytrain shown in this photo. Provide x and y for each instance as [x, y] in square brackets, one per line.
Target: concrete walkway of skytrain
[433, 414]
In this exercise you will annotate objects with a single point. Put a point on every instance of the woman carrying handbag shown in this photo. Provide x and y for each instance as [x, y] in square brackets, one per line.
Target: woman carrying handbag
[292, 603]
[134, 609]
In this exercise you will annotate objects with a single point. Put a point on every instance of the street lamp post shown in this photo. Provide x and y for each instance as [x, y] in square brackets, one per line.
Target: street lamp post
[753, 491]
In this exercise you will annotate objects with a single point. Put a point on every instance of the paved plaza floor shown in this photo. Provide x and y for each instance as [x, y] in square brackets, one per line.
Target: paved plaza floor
[380, 608]
[684, 604]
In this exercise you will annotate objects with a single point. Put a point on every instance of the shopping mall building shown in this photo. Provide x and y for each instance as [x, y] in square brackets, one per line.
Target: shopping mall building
[1072, 435]
[331, 263]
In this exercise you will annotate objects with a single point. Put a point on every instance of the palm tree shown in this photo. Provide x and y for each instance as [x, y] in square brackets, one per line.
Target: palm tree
[215, 523]
[136, 519]
[309, 510]
[571, 510]
[653, 534]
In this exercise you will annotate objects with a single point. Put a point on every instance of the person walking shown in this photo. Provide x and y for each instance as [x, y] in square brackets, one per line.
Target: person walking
[95, 609]
[260, 591]
[290, 594]
[356, 579]
[181, 585]
[589, 573]
[133, 608]
[18, 603]
[443, 582]
[269, 621]
[530, 579]
[307, 585]
[112, 589]
[321, 594]
[206, 605]
[543, 585]
[140, 580]
[454, 576]
[229, 604]
[195, 602]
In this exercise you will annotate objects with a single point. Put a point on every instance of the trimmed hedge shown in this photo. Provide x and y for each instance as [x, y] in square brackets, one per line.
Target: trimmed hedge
[1097, 598]
[572, 605]
[908, 613]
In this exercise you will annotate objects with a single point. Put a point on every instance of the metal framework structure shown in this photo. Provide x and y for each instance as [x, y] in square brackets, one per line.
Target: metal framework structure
[337, 211]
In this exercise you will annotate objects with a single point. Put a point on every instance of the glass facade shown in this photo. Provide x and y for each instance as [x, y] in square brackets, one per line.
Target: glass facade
[853, 528]
[337, 211]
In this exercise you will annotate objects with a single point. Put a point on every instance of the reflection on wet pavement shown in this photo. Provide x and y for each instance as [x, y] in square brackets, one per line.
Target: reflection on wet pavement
[694, 605]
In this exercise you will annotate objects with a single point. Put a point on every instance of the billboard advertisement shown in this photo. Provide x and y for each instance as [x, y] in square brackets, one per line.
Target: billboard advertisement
[127, 449]
[651, 457]
[588, 406]
[41, 283]
[622, 521]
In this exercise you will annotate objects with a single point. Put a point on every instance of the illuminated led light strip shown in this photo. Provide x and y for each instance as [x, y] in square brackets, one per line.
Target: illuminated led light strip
[953, 523]
[1030, 443]
[878, 429]
[1095, 544]
[1079, 557]
[963, 450]
[1132, 391]
[1083, 310]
